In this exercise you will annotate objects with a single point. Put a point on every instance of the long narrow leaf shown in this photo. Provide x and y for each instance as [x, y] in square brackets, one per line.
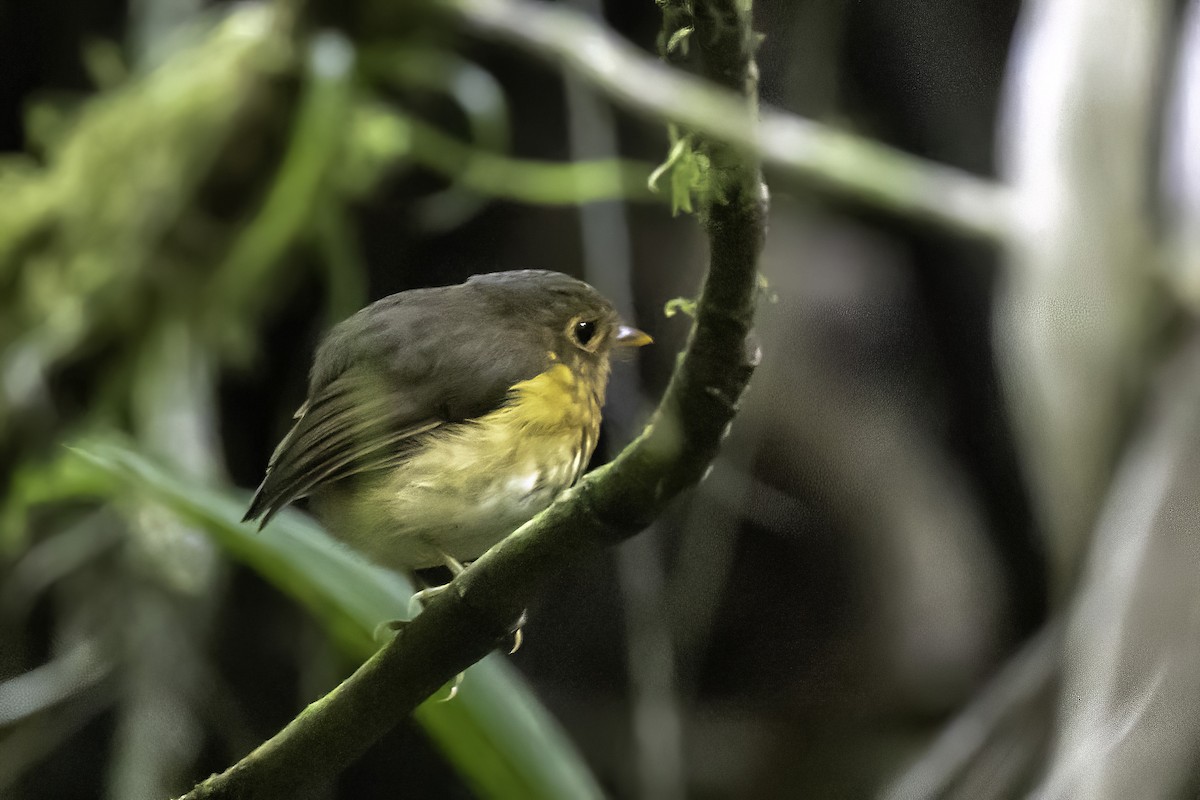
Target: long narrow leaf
[495, 733]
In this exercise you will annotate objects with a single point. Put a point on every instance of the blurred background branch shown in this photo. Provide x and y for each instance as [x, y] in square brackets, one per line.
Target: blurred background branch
[821, 156]
[1128, 717]
[1077, 311]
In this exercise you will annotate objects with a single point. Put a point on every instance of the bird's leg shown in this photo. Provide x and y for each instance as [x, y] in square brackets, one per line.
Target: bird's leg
[419, 600]
[455, 566]
[422, 597]
[416, 603]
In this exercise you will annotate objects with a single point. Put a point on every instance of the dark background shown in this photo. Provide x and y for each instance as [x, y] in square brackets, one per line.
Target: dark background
[862, 557]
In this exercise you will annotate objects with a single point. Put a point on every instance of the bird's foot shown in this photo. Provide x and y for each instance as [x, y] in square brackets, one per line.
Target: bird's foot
[417, 602]
[517, 636]
[455, 566]
[458, 679]
[387, 630]
[421, 598]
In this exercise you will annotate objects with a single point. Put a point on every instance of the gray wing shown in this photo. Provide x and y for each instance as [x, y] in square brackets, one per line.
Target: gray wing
[350, 426]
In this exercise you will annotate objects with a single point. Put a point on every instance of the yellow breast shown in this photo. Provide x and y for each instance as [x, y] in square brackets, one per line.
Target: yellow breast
[556, 399]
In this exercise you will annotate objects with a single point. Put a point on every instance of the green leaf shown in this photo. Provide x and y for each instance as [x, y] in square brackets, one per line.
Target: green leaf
[676, 305]
[689, 172]
[495, 733]
[678, 38]
[34, 483]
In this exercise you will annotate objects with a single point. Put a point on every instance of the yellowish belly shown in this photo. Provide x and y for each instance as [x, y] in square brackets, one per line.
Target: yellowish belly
[472, 483]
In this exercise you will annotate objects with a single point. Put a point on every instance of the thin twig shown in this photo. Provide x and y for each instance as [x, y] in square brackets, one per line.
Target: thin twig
[828, 159]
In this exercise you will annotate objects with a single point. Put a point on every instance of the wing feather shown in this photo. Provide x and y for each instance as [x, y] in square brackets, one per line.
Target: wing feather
[345, 430]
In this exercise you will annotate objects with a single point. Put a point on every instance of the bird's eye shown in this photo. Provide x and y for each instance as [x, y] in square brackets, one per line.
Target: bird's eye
[583, 331]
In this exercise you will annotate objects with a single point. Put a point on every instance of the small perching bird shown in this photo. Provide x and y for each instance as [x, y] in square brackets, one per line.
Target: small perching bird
[440, 420]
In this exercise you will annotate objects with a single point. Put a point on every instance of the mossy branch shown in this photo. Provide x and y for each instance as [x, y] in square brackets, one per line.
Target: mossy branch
[613, 503]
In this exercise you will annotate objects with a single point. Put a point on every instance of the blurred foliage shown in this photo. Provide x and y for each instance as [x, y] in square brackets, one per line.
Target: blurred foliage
[142, 242]
[118, 224]
[688, 172]
[859, 562]
[494, 731]
[101, 236]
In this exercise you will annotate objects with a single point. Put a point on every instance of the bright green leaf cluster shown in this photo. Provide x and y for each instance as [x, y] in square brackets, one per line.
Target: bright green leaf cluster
[690, 174]
[676, 305]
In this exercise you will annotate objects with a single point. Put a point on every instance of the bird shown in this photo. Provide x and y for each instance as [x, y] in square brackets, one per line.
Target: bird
[439, 420]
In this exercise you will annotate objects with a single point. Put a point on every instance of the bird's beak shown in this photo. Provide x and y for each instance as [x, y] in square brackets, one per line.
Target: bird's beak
[629, 336]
